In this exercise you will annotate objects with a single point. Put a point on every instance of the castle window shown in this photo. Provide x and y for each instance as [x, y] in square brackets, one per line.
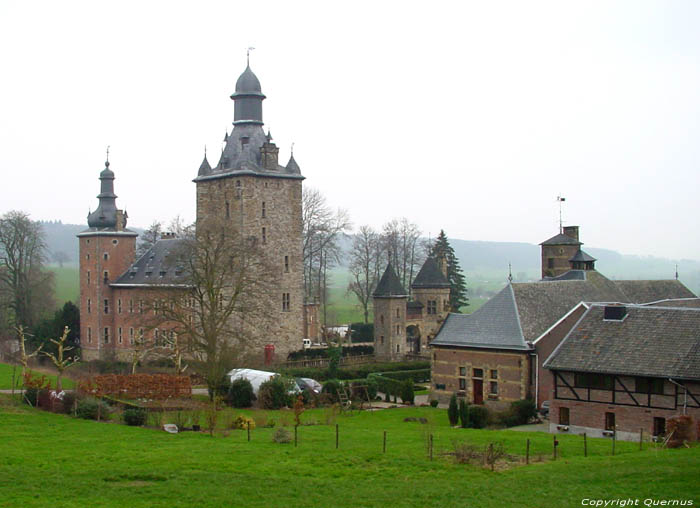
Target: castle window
[141, 334]
[87, 257]
[493, 387]
[285, 302]
[462, 371]
[88, 277]
[286, 263]
[115, 242]
[478, 373]
[381, 339]
[88, 305]
[119, 306]
[398, 329]
[106, 256]
[238, 183]
[462, 383]
[120, 335]
[263, 210]
[432, 306]
[140, 306]
[131, 306]
[228, 210]
[156, 337]
[550, 262]
[244, 141]
[106, 276]
[155, 307]
[131, 336]
[494, 374]
[105, 335]
[398, 314]
[264, 236]
[381, 319]
[89, 335]
[398, 348]
[106, 306]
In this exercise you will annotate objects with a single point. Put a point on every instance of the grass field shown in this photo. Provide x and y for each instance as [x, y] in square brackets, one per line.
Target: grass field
[67, 284]
[55, 460]
[6, 372]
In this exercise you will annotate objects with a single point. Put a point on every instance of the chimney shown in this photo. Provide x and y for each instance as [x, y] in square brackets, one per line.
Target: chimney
[614, 313]
[167, 235]
[442, 264]
[571, 232]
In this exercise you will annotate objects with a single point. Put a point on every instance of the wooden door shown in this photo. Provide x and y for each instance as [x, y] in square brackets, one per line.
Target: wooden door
[478, 391]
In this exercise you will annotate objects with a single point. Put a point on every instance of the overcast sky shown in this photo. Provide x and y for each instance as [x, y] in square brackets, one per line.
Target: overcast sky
[466, 116]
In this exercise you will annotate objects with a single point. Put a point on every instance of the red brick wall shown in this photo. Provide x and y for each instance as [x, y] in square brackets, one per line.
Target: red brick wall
[544, 347]
[512, 373]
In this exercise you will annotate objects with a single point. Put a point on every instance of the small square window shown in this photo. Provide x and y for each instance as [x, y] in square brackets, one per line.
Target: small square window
[493, 388]
[494, 374]
[462, 383]
[462, 371]
[478, 373]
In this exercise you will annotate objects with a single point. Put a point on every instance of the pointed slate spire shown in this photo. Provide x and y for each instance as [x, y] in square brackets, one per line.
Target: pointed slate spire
[292, 166]
[226, 136]
[389, 285]
[204, 167]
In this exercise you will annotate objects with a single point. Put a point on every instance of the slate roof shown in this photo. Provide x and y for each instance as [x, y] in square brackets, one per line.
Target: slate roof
[389, 285]
[650, 341]
[582, 256]
[561, 239]
[156, 268]
[539, 305]
[430, 276]
[570, 275]
[644, 291]
[494, 325]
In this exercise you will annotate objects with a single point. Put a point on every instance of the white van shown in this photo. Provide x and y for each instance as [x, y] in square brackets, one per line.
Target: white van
[307, 343]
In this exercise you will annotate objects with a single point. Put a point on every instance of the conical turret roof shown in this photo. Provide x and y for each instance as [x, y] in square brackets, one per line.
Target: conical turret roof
[430, 276]
[389, 285]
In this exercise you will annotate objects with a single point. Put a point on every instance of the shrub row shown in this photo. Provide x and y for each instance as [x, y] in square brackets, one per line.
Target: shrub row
[362, 332]
[417, 376]
[305, 354]
[357, 371]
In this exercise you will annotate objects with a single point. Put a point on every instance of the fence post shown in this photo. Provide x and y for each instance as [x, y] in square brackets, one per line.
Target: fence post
[295, 435]
[248, 430]
[491, 458]
[585, 446]
[641, 435]
[336, 436]
[614, 436]
[431, 447]
[384, 446]
[554, 446]
[527, 452]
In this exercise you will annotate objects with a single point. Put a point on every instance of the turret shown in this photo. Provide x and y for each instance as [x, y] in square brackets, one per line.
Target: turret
[390, 300]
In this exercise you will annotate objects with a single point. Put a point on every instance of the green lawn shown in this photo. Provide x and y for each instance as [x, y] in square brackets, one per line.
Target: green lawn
[67, 284]
[6, 372]
[55, 460]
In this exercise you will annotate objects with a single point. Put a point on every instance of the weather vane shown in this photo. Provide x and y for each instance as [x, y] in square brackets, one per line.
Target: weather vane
[107, 163]
[561, 224]
[292, 150]
[247, 54]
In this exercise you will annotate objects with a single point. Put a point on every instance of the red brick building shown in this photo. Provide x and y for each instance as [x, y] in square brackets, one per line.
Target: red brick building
[625, 368]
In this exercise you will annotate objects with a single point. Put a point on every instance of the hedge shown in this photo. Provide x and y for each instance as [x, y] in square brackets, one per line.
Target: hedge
[309, 354]
[357, 371]
[417, 376]
[362, 332]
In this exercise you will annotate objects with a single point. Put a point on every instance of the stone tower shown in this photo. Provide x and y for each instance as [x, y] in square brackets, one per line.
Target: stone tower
[558, 251]
[390, 300]
[432, 290]
[261, 198]
[107, 249]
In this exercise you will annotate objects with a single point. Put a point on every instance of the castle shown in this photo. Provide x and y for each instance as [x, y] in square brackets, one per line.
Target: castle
[247, 188]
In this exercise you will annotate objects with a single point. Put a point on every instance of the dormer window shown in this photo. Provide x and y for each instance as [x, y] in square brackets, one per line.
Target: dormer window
[244, 141]
[161, 273]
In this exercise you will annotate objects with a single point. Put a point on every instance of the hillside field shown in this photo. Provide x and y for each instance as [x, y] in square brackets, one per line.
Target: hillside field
[56, 460]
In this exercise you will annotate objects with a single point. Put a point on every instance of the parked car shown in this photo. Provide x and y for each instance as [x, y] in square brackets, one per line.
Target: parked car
[307, 383]
[544, 410]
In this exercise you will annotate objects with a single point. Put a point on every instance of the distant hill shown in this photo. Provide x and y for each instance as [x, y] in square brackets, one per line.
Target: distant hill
[481, 261]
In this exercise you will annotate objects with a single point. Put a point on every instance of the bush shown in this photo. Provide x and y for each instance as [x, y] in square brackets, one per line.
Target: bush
[88, 409]
[240, 393]
[31, 396]
[415, 375]
[356, 372]
[273, 394]
[478, 416]
[134, 416]
[452, 411]
[69, 400]
[521, 412]
[282, 435]
[242, 422]
[407, 395]
[362, 332]
[463, 414]
[220, 389]
[331, 389]
[434, 403]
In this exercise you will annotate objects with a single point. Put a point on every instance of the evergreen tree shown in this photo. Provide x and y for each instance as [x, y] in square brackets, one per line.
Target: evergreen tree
[463, 414]
[453, 411]
[458, 284]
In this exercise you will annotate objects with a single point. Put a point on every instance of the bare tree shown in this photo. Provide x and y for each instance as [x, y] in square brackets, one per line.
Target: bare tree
[366, 264]
[401, 241]
[60, 361]
[140, 349]
[322, 228]
[60, 257]
[149, 237]
[226, 298]
[25, 287]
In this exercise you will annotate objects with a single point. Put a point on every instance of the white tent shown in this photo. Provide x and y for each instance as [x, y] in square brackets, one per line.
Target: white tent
[256, 377]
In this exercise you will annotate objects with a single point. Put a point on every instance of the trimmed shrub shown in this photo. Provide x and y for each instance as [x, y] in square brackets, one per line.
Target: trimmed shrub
[478, 416]
[220, 389]
[136, 417]
[241, 393]
[521, 412]
[242, 421]
[362, 332]
[331, 388]
[434, 403]
[356, 372]
[88, 408]
[273, 394]
[407, 395]
[69, 400]
[463, 414]
[372, 388]
[416, 375]
[452, 411]
[31, 395]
